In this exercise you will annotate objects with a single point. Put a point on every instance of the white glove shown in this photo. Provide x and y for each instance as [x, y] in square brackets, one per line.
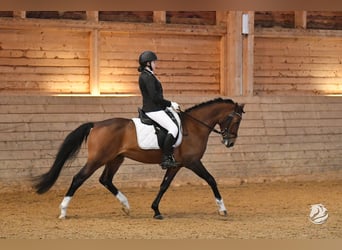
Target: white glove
[175, 106]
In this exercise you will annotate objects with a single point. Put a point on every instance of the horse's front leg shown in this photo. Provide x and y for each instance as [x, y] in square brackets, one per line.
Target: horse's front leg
[169, 175]
[199, 169]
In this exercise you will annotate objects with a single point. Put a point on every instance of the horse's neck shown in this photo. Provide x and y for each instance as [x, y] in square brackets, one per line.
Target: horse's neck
[209, 115]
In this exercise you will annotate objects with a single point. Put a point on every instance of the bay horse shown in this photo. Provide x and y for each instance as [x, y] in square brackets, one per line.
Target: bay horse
[110, 141]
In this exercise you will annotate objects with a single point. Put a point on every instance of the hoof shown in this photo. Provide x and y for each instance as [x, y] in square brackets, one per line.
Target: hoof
[125, 210]
[158, 217]
[223, 213]
[62, 217]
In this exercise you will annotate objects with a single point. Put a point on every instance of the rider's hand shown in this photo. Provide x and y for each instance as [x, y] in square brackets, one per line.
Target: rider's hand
[175, 106]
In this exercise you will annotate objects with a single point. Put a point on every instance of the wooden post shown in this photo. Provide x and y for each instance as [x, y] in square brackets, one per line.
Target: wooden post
[300, 19]
[94, 85]
[19, 14]
[239, 52]
[221, 17]
[94, 63]
[224, 66]
[159, 16]
[93, 16]
[248, 57]
[234, 59]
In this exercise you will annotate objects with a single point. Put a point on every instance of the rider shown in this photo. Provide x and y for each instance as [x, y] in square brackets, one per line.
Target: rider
[154, 105]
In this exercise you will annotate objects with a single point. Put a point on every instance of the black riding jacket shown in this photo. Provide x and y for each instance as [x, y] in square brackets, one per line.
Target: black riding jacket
[152, 92]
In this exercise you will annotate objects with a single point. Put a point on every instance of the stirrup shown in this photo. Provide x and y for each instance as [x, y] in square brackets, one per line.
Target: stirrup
[169, 162]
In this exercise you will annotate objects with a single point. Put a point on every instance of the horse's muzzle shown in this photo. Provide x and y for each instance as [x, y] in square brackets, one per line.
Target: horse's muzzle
[228, 142]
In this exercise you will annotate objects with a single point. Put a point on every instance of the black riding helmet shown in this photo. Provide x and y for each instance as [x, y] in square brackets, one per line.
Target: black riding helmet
[147, 56]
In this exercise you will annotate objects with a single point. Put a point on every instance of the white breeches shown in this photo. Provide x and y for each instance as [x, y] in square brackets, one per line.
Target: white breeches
[165, 121]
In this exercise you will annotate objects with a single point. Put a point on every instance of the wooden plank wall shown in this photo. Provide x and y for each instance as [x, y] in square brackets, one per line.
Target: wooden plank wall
[267, 19]
[126, 16]
[329, 20]
[47, 57]
[324, 20]
[281, 138]
[44, 61]
[81, 57]
[184, 66]
[191, 17]
[302, 62]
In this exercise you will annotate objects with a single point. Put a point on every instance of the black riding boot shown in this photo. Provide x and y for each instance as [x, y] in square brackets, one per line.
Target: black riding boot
[168, 161]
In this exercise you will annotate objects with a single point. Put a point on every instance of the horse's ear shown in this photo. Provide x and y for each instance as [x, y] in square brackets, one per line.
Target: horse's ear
[241, 106]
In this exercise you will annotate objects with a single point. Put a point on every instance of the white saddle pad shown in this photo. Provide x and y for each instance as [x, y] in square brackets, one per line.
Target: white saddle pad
[146, 136]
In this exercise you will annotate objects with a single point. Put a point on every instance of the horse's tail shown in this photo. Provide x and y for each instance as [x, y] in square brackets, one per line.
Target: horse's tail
[69, 149]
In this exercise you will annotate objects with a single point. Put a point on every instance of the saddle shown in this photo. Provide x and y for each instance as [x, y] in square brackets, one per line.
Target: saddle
[159, 130]
[150, 134]
[144, 118]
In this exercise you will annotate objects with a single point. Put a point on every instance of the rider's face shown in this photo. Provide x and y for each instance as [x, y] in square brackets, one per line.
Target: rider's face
[153, 65]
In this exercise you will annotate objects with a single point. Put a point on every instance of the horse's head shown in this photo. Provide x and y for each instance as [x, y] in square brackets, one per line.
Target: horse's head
[226, 113]
[230, 125]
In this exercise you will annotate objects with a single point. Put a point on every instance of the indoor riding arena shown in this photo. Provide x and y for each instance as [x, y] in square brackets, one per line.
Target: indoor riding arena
[282, 179]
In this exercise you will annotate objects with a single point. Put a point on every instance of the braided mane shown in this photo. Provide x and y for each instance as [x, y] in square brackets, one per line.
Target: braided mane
[203, 104]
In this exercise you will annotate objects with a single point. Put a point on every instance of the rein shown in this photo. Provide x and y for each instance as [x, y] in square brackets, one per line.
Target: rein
[204, 124]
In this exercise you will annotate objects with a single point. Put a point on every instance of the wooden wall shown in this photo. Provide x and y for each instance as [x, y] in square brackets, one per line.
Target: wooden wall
[290, 131]
[47, 57]
[281, 138]
[289, 62]
[44, 61]
[324, 20]
[327, 20]
[184, 66]
[267, 19]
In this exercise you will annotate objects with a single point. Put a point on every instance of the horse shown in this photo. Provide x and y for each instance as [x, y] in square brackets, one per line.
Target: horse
[111, 141]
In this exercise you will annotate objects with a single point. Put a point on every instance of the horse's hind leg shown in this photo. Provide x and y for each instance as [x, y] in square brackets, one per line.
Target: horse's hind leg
[106, 180]
[200, 170]
[77, 181]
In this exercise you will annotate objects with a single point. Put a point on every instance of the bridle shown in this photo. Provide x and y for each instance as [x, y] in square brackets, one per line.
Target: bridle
[224, 133]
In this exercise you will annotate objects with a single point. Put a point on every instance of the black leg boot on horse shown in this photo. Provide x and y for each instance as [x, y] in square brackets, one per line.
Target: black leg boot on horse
[168, 160]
